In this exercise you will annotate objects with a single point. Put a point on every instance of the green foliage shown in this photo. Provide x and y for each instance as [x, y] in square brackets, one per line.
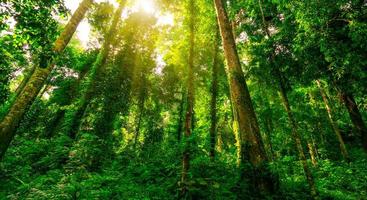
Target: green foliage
[123, 144]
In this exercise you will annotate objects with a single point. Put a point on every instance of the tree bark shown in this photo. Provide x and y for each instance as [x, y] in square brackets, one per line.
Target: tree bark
[297, 137]
[190, 101]
[355, 116]
[10, 122]
[249, 143]
[334, 125]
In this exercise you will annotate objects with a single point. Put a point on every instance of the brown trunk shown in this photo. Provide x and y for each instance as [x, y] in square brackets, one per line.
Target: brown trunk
[190, 101]
[213, 103]
[249, 144]
[334, 125]
[10, 122]
[355, 116]
[297, 137]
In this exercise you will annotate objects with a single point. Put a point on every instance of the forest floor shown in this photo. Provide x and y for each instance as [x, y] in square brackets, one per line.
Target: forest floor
[59, 168]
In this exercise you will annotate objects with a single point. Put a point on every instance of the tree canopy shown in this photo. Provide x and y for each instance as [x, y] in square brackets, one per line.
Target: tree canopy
[183, 99]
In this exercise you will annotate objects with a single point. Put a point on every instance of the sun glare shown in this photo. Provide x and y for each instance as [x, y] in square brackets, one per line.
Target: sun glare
[146, 5]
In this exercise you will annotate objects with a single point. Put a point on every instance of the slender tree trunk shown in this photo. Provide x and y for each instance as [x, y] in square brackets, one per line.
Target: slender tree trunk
[86, 95]
[318, 119]
[311, 150]
[214, 91]
[297, 137]
[180, 116]
[190, 101]
[53, 125]
[268, 125]
[315, 147]
[10, 123]
[355, 116]
[267, 139]
[334, 125]
[249, 144]
[137, 128]
[139, 119]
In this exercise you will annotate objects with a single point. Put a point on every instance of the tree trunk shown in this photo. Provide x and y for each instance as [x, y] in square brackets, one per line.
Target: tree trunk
[141, 113]
[61, 119]
[214, 91]
[10, 122]
[355, 116]
[334, 125]
[249, 143]
[54, 124]
[318, 120]
[311, 150]
[180, 117]
[190, 101]
[28, 75]
[297, 137]
[268, 126]
[86, 96]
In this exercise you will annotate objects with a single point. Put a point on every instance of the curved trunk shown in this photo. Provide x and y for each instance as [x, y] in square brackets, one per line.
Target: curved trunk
[10, 122]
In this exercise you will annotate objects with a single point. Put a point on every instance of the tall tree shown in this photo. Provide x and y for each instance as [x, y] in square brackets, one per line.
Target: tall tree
[249, 144]
[190, 98]
[97, 69]
[180, 114]
[355, 116]
[9, 124]
[296, 136]
[332, 121]
[284, 97]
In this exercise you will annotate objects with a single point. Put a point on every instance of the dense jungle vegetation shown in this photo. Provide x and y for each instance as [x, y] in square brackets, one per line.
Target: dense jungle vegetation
[183, 99]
